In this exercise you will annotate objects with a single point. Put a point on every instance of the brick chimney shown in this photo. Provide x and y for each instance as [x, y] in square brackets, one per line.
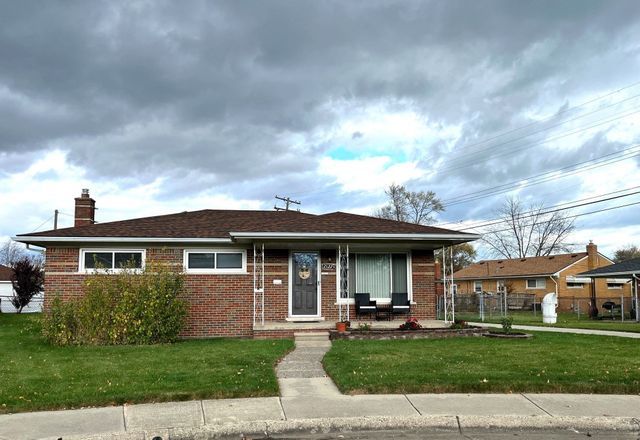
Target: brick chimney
[85, 209]
[593, 258]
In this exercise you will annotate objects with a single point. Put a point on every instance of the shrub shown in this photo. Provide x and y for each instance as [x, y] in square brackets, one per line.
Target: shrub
[27, 281]
[364, 327]
[459, 324]
[121, 308]
[410, 324]
[59, 323]
[506, 322]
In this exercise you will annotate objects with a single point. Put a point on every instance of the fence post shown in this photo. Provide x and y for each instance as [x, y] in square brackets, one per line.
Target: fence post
[578, 309]
[622, 308]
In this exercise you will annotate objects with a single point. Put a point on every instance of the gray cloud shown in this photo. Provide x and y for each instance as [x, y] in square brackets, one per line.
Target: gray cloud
[211, 95]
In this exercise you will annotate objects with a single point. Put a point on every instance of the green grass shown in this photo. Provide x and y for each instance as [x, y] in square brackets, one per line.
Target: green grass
[565, 320]
[37, 376]
[548, 362]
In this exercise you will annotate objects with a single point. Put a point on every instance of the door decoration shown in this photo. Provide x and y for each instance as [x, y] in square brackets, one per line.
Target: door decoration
[304, 272]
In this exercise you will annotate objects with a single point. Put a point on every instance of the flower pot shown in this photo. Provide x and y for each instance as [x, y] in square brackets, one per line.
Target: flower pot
[341, 326]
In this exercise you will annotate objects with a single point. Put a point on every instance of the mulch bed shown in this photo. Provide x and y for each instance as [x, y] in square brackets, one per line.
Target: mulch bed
[425, 333]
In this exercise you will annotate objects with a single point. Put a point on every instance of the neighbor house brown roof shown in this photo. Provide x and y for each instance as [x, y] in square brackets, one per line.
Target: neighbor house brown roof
[5, 273]
[518, 267]
[211, 223]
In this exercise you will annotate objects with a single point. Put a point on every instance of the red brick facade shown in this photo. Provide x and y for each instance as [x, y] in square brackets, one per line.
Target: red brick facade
[222, 304]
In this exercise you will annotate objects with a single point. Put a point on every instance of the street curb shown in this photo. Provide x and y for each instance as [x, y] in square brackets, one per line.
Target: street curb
[338, 425]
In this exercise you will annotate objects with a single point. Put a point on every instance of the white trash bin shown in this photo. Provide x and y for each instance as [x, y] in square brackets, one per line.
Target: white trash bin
[549, 304]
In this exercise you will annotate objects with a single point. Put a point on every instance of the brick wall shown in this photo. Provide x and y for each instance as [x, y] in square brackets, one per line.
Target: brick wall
[222, 305]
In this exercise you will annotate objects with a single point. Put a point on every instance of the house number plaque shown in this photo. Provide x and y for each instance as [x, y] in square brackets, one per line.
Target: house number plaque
[328, 266]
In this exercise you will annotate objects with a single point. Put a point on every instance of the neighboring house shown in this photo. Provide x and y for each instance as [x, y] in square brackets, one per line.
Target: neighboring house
[302, 267]
[540, 275]
[629, 270]
[6, 293]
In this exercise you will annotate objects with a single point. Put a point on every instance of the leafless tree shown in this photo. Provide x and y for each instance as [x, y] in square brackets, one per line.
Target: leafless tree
[410, 206]
[11, 252]
[528, 231]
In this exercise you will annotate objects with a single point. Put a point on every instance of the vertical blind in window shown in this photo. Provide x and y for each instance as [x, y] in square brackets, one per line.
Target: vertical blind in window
[377, 274]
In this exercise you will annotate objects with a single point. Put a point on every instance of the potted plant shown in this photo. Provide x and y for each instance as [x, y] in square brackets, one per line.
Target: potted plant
[341, 326]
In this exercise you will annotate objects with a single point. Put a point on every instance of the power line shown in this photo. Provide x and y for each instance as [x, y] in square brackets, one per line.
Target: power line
[43, 223]
[491, 223]
[523, 147]
[533, 124]
[552, 116]
[587, 165]
[576, 215]
[549, 207]
[551, 126]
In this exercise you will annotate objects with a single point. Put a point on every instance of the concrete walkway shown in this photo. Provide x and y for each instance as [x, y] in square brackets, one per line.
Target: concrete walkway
[579, 331]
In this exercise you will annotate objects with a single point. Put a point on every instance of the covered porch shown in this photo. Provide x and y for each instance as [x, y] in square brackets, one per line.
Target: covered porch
[310, 285]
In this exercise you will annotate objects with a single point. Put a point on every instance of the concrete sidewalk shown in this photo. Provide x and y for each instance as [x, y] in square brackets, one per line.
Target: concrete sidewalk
[260, 415]
[578, 331]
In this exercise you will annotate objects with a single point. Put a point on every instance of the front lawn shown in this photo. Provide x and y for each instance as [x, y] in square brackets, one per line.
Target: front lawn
[548, 362]
[565, 320]
[37, 376]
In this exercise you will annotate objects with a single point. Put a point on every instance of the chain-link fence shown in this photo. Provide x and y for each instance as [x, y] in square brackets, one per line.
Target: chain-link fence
[527, 308]
[35, 306]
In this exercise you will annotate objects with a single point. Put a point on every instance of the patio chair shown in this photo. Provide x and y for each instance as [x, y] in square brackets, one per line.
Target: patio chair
[400, 304]
[364, 305]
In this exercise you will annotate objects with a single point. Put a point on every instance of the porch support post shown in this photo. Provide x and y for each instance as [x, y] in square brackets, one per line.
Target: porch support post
[258, 283]
[343, 267]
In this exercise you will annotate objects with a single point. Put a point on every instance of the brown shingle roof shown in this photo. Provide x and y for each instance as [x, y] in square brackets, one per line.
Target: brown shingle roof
[517, 267]
[219, 223]
[5, 273]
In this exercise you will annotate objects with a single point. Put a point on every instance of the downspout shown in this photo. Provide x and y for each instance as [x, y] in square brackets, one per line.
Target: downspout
[555, 282]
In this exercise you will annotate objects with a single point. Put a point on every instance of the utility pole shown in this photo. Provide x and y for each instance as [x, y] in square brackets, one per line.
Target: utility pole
[55, 219]
[287, 202]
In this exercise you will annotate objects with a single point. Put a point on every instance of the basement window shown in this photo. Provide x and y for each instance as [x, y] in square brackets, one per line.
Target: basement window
[574, 285]
[215, 261]
[111, 260]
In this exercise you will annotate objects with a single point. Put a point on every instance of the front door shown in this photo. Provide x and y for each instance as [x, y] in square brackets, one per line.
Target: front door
[304, 283]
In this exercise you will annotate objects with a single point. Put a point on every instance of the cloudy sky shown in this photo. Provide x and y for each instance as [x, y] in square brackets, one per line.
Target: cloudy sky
[160, 107]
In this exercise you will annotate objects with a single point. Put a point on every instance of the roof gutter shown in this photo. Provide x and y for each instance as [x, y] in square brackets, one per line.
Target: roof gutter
[352, 236]
[629, 274]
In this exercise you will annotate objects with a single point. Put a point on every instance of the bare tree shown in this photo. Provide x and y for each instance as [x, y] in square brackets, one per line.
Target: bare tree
[410, 206]
[526, 232]
[11, 252]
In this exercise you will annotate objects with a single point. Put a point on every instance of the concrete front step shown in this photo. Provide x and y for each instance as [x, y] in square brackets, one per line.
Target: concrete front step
[313, 344]
[311, 336]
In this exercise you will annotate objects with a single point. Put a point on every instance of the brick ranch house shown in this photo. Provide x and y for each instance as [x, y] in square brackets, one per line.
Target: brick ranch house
[559, 273]
[249, 272]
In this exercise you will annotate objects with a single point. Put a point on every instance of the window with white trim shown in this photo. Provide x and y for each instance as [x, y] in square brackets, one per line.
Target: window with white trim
[500, 286]
[111, 259]
[536, 283]
[574, 285]
[615, 285]
[215, 261]
[477, 286]
[379, 274]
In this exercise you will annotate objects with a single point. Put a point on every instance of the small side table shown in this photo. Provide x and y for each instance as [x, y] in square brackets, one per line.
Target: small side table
[383, 312]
